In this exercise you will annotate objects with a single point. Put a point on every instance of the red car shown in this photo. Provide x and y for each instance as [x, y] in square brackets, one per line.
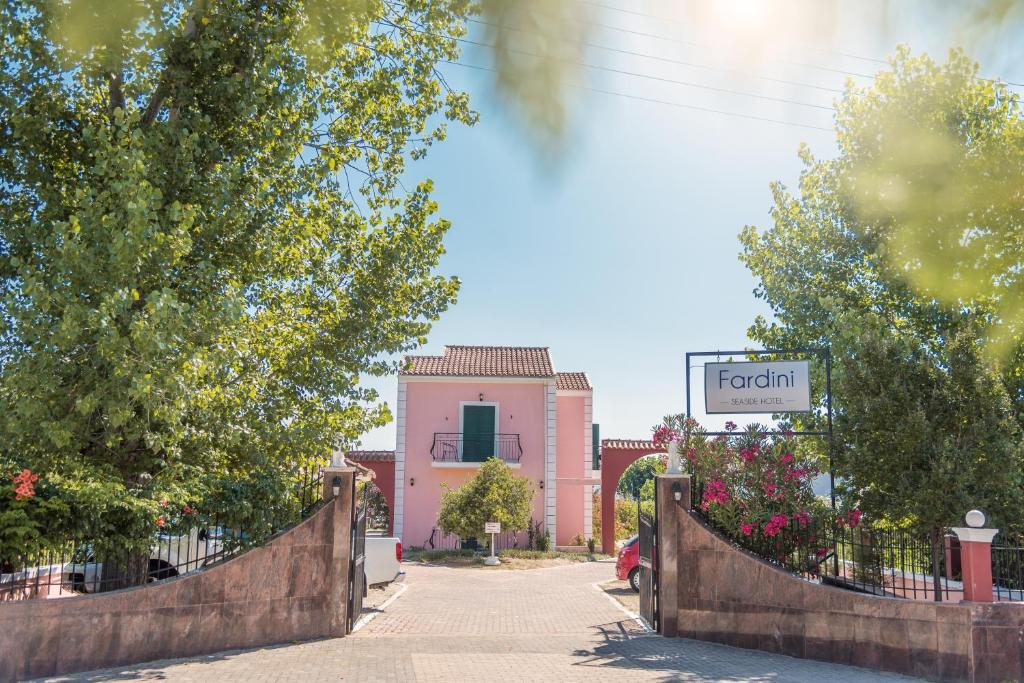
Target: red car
[627, 564]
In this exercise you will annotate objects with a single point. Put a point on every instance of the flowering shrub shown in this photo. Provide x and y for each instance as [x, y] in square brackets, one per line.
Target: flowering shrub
[663, 434]
[24, 484]
[755, 488]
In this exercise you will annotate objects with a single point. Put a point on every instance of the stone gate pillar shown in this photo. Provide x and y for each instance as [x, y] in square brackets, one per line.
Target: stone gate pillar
[673, 503]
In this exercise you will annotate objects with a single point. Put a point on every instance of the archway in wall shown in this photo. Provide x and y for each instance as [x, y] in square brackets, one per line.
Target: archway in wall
[383, 465]
[616, 456]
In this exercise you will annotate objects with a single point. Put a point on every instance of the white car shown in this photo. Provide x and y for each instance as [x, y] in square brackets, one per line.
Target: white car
[382, 562]
[169, 556]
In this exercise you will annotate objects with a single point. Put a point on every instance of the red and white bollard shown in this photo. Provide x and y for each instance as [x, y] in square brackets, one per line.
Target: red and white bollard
[976, 557]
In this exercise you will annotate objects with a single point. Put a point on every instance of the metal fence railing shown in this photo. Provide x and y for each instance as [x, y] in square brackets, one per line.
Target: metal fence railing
[192, 541]
[441, 541]
[1008, 568]
[457, 447]
[896, 562]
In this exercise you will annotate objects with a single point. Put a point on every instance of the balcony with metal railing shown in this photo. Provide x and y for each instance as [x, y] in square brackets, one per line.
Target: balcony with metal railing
[451, 449]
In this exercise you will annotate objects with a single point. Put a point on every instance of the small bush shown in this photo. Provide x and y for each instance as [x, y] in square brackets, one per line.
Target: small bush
[522, 554]
[544, 542]
[526, 554]
[578, 540]
[591, 545]
[444, 554]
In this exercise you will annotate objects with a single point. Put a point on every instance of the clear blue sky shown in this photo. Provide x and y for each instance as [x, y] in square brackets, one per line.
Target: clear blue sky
[621, 255]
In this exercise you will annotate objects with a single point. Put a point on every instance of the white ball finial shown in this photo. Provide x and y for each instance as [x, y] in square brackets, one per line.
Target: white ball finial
[975, 519]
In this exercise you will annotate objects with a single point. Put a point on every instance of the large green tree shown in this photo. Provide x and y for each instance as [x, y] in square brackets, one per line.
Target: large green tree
[639, 473]
[926, 436]
[837, 256]
[205, 240]
[831, 245]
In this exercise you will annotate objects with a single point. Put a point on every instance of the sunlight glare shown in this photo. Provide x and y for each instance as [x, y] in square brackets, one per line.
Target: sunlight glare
[743, 16]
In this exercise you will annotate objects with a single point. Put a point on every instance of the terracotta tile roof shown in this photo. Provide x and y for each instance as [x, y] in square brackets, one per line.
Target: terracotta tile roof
[483, 361]
[370, 456]
[572, 381]
[632, 444]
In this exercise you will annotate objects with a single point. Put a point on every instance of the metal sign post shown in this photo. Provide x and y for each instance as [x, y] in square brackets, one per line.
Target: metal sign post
[492, 528]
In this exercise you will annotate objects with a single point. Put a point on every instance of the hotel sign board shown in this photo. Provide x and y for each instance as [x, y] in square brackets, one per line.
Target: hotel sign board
[757, 387]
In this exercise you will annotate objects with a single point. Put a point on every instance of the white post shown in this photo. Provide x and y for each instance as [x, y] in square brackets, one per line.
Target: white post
[675, 460]
[493, 559]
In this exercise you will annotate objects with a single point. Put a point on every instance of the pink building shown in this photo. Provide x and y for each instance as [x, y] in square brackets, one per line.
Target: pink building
[474, 402]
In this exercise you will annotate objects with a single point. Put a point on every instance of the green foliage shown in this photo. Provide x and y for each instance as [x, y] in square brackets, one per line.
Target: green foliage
[493, 494]
[639, 473]
[204, 242]
[441, 554]
[901, 254]
[625, 515]
[870, 229]
[377, 510]
[544, 541]
[755, 487]
[927, 436]
[523, 554]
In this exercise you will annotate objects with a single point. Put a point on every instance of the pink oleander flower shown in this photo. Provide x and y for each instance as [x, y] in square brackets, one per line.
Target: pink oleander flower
[663, 435]
[691, 455]
[163, 503]
[160, 521]
[789, 433]
[746, 528]
[786, 458]
[188, 510]
[730, 426]
[715, 492]
[776, 524]
[24, 484]
[853, 517]
[748, 454]
[769, 489]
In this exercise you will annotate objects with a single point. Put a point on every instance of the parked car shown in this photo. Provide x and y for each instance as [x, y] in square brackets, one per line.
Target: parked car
[170, 555]
[627, 563]
[383, 560]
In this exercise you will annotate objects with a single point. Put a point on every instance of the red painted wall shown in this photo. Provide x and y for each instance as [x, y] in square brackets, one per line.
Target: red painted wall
[614, 462]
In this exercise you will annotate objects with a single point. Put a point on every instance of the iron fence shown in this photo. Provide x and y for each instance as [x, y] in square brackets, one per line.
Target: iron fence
[441, 541]
[1008, 568]
[457, 447]
[895, 562]
[191, 541]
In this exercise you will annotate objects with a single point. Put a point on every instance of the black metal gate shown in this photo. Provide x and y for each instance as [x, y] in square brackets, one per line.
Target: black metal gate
[648, 530]
[357, 558]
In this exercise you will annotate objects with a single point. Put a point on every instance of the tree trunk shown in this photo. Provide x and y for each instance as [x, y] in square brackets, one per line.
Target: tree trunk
[937, 548]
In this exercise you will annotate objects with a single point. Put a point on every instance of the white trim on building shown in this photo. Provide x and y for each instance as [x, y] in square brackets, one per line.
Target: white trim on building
[400, 458]
[550, 457]
[588, 462]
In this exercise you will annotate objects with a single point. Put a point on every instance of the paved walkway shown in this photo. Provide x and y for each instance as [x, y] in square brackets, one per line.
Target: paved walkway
[540, 625]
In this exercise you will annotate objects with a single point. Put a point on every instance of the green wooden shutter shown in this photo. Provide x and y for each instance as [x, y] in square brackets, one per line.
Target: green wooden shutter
[477, 433]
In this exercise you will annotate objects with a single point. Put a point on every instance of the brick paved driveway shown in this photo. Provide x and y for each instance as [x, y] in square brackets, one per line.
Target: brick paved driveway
[539, 625]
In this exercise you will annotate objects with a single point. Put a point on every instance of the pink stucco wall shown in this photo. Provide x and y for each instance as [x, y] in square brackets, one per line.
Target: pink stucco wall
[434, 407]
[569, 448]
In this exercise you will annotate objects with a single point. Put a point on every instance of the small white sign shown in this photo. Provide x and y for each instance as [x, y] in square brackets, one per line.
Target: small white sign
[757, 387]
[492, 527]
